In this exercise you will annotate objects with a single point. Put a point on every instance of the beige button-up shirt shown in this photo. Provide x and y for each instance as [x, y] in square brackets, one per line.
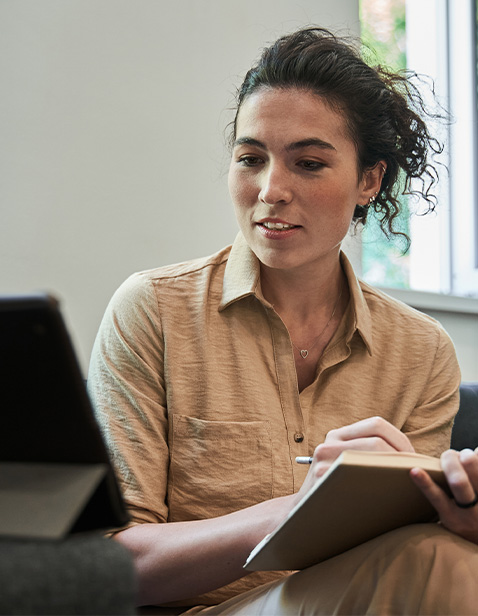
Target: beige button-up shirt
[194, 383]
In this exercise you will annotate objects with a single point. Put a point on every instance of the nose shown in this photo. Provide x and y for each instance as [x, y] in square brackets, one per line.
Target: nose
[276, 186]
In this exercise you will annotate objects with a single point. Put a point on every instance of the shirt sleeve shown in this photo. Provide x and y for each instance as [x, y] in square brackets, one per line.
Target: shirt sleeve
[429, 425]
[126, 386]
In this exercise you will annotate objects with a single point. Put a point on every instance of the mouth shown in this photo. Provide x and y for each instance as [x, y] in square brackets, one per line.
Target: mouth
[277, 226]
[277, 229]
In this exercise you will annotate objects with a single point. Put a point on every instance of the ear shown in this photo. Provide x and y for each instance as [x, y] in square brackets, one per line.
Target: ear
[371, 182]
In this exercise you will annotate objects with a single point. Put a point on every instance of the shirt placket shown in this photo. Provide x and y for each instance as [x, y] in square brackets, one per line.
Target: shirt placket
[296, 428]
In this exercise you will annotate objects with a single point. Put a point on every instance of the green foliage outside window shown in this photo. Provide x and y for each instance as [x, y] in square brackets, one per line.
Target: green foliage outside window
[383, 25]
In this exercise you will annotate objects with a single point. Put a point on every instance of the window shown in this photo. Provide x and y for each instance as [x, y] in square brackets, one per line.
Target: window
[431, 39]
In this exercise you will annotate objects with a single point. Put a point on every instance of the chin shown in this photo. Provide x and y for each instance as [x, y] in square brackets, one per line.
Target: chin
[278, 261]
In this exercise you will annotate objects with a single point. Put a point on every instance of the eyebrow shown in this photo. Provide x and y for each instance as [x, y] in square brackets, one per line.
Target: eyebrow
[296, 145]
[249, 141]
[312, 142]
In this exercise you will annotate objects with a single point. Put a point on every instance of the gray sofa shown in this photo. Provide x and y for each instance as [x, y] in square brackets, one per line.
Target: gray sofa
[82, 574]
[465, 429]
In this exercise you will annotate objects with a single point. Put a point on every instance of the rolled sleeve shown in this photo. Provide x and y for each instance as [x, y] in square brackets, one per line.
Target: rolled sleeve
[126, 386]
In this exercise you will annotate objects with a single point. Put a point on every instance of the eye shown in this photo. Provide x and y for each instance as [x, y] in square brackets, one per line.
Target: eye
[249, 161]
[310, 165]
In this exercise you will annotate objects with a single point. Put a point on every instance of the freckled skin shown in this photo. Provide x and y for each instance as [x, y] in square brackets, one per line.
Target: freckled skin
[299, 165]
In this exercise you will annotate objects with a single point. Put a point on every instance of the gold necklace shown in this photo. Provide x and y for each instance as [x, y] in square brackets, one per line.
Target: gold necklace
[305, 352]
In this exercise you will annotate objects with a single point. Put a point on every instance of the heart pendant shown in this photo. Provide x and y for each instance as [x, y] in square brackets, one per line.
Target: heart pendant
[304, 353]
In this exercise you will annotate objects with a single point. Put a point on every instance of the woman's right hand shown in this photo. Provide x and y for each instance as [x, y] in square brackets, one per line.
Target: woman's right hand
[371, 434]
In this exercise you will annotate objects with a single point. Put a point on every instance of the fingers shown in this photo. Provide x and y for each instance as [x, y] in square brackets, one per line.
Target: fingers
[371, 434]
[326, 453]
[379, 432]
[331, 449]
[437, 497]
[461, 471]
[469, 461]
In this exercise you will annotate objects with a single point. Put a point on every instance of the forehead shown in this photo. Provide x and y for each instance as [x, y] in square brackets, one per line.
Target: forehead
[291, 113]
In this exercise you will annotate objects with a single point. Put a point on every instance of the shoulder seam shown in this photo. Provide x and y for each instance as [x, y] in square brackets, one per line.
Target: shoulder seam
[372, 291]
[180, 269]
[190, 271]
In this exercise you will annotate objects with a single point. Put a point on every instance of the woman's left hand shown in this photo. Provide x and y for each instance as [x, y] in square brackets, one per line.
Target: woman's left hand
[460, 513]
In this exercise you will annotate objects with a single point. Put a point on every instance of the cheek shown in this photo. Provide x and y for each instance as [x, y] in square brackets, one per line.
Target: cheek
[340, 200]
[335, 209]
[233, 186]
[242, 190]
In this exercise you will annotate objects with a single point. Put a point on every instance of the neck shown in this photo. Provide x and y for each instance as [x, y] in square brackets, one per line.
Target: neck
[302, 295]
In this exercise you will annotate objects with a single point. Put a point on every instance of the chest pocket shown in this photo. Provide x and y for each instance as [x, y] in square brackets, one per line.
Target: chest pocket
[217, 467]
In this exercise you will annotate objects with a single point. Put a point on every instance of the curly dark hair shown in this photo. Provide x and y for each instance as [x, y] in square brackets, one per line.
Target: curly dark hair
[384, 112]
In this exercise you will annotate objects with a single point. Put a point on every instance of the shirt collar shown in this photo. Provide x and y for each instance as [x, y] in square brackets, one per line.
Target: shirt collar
[242, 275]
[242, 279]
[361, 320]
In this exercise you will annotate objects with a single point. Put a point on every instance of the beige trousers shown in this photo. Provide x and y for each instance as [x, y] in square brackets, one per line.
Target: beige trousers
[418, 569]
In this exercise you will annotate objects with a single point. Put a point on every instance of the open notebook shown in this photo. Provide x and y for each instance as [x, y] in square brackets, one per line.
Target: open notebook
[55, 473]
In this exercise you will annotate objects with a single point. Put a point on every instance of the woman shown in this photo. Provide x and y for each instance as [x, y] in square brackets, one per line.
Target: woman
[210, 377]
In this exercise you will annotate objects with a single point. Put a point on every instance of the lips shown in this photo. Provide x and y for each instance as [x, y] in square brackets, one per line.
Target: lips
[276, 224]
[274, 229]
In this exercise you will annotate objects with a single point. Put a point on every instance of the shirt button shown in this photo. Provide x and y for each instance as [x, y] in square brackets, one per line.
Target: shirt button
[298, 437]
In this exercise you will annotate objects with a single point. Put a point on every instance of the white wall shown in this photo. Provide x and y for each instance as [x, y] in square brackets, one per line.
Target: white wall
[112, 142]
[112, 117]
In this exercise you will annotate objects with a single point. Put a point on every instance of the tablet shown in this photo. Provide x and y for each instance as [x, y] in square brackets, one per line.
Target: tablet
[51, 447]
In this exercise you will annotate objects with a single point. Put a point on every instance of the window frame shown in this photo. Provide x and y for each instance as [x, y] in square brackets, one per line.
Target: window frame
[444, 251]
[462, 24]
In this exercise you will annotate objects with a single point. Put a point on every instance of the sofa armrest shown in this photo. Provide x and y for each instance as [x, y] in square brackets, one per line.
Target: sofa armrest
[465, 428]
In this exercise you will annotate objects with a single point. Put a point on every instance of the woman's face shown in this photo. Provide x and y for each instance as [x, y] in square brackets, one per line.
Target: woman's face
[294, 178]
